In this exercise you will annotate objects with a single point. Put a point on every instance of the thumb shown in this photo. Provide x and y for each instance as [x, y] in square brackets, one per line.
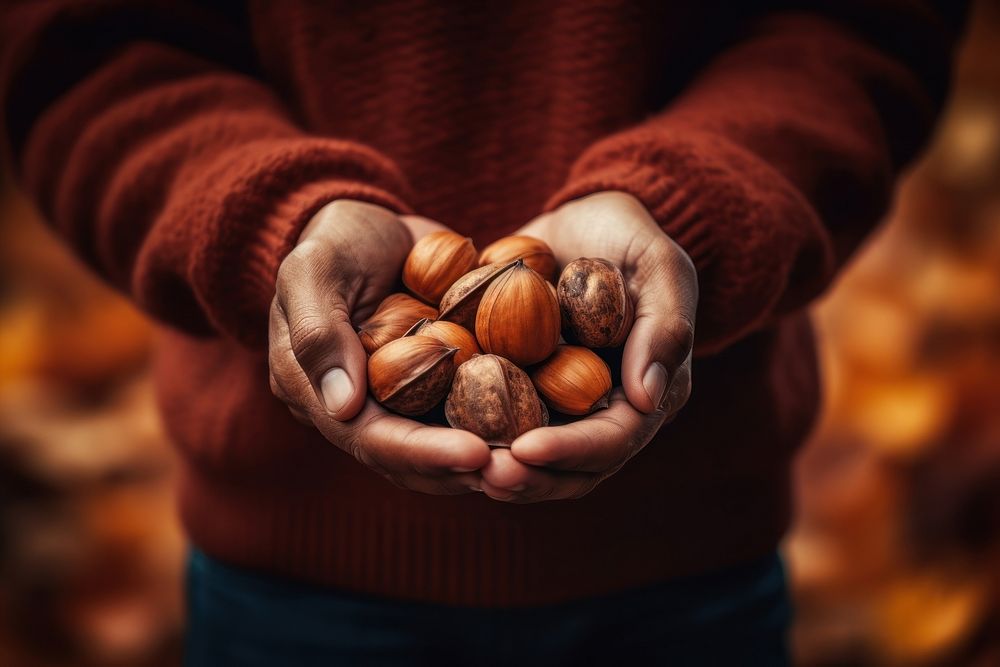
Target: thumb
[656, 366]
[320, 332]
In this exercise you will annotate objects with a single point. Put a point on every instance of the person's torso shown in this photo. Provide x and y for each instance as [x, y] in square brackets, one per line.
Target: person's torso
[483, 105]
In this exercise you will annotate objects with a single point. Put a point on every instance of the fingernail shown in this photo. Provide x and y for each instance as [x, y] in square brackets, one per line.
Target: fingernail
[457, 469]
[655, 383]
[337, 388]
[475, 488]
[518, 488]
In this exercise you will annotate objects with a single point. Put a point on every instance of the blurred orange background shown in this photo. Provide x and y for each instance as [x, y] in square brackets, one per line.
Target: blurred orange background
[895, 553]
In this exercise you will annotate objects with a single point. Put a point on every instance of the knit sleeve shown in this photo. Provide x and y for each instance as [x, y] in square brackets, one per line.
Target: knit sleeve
[777, 159]
[146, 139]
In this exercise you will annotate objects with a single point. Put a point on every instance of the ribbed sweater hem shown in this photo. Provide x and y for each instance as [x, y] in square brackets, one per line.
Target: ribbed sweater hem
[400, 550]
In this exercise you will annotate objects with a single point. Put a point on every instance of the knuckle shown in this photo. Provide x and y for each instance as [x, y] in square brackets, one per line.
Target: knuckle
[289, 271]
[362, 448]
[355, 445]
[274, 313]
[275, 387]
[307, 257]
[684, 265]
[309, 331]
[680, 331]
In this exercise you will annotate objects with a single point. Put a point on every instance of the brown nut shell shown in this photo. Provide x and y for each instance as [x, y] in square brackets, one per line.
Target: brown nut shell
[595, 303]
[411, 375]
[573, 381]
[451, 334]
[494, 399]
[436, 262]
[461, 301]
[393, 318]
[536, 254]
[518, 317]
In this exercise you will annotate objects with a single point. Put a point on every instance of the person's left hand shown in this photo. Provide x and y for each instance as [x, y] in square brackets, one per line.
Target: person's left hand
[561, 462]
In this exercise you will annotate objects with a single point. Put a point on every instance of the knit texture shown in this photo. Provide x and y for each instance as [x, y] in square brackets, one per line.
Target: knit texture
[181, 148]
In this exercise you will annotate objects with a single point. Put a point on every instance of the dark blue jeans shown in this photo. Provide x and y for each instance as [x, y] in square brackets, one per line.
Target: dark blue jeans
[735, 617]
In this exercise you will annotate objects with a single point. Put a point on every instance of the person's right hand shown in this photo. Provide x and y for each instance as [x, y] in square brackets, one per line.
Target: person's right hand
[347, 260]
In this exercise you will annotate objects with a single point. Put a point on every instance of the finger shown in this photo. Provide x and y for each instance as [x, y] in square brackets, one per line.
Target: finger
[537, 227]
[279, 392]
[600, 442]
[679, 390]
[439, 485]
[420, 226]
[426, 459]
[509, 480]
[402, 447]
[408, 454]
[320, 333]
[286, 378]
[665, 289]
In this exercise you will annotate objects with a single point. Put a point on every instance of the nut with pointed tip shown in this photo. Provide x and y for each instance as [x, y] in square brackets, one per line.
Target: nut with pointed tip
[536, 254]
[451, 334]
[494, 399]
[573, 381]
[411, 375]
[436, 262]
[518, 317]
[393, 317]
[461, 302]
[595, 303]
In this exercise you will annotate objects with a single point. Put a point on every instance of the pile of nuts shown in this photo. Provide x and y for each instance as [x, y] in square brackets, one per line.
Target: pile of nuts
[485, 331]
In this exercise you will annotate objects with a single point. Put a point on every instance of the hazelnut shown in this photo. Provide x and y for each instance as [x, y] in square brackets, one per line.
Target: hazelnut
[535, 253]
[393, 317]
[494, 399]
[518, 317]
[435, 262]
[573, 381]
[411, 375]
[461, 301]
[595, 303]
[449, 333]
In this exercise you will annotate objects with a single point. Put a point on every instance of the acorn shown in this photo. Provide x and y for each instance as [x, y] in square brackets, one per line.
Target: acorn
[449, 333]
[595, 303]
[436, 262]
[535, 253]
[411, 375]
[573, 381]
[494, 399]
[393, 317]
[518, 317]
[461, 301]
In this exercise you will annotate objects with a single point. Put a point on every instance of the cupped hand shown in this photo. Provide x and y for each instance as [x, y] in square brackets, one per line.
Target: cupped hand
[568, 461]
[347, 260]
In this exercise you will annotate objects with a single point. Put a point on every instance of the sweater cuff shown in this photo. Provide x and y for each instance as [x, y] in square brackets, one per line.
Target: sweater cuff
[672, 203]
[255, 283]
[741, 222]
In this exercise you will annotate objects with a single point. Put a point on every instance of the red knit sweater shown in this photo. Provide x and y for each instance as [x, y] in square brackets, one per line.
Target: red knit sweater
[181, 149]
